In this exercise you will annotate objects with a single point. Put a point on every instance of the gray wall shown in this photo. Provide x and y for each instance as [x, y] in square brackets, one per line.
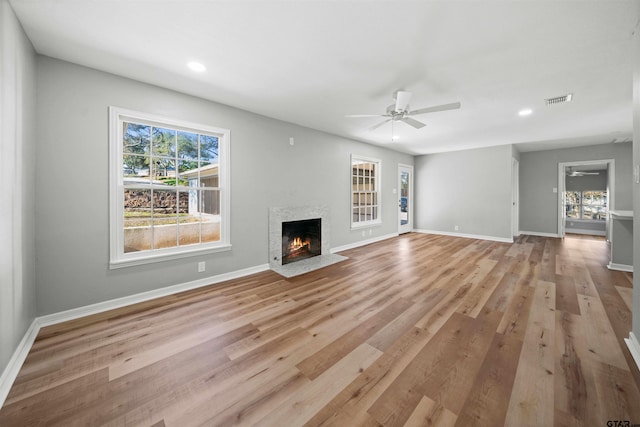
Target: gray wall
[587, 182]
[470, 189]
[72, 184]
[636, 162]
[539, 175]
[17, 168]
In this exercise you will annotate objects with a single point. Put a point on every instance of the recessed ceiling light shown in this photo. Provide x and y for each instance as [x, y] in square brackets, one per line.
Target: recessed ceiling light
[525, 112]
[395, 138]
[196, 66]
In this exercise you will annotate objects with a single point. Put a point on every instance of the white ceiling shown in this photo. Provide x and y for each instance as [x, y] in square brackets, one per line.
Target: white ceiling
[312, 62]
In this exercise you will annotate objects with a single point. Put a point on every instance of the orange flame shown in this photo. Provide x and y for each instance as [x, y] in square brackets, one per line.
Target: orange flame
[297, 244]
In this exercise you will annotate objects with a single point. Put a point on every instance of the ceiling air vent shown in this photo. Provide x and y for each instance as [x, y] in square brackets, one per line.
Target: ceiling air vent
[559, 99]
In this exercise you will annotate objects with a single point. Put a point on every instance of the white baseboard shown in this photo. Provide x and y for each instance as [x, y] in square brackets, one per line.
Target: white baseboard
[586, 231]
[468, 236]
[87, 310]
[11, 371]
[620, 267]
[634, 348]
[538, 233]
[15, 363]
[362, 243]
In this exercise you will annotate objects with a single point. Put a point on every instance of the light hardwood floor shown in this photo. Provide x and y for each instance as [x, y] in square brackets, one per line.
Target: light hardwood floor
[416, 330]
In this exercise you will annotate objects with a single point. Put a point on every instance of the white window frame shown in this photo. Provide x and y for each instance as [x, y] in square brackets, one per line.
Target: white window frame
[378, 220]
[582, 205]
[117, 257]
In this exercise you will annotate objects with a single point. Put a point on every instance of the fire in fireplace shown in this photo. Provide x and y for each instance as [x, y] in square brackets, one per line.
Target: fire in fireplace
[301, 240]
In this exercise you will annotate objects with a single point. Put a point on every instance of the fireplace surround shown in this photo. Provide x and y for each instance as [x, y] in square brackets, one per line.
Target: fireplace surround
[310, 224]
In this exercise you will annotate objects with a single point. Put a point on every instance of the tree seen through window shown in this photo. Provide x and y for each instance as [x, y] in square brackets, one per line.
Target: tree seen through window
[171, 194]
[587, 205]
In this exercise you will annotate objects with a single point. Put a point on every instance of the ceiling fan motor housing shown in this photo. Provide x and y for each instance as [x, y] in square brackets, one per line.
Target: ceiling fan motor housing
[400, 111]
[396, 115]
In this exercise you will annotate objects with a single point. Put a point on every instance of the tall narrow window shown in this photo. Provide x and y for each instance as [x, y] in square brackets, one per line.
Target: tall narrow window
[169, 188]
[365, 194]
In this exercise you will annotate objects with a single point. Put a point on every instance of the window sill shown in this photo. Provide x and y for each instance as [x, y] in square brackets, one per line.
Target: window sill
[360, 226]
[153, 258]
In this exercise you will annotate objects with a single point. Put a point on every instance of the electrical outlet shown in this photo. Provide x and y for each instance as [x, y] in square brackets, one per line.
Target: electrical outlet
[364, 233]
[370, 232]
[456, 228]
[202, 266]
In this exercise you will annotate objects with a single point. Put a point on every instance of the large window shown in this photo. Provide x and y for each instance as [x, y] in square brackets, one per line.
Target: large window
[169, 188]
[365, 194]
[589, 205]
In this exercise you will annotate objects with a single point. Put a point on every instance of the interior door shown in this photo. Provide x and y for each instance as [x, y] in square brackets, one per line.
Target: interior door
[405, 202]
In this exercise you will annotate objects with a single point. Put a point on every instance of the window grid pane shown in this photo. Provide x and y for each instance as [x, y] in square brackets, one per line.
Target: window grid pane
[171, 188]
[586, 205]
[364, 190]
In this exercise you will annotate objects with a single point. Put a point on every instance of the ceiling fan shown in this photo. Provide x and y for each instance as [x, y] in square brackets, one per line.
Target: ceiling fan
[572, 172]
[400, 112]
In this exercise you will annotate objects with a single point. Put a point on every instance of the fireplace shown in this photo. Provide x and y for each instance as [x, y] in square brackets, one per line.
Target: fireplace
[301, 240]
[300, 233]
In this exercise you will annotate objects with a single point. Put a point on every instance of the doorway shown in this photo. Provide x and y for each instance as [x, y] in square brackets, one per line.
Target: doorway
[585, 196]
[405, 202]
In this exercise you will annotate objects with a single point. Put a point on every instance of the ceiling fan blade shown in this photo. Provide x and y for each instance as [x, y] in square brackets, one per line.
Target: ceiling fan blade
[374, 127]
[402, 100]
[443, 107]
[413, 122]
[366, 115]
[573, 174]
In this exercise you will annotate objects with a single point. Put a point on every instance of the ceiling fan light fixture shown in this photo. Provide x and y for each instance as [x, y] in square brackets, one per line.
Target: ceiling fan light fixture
[196, 66]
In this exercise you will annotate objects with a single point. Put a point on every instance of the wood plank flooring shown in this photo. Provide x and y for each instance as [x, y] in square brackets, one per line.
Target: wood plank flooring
[419, 330]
